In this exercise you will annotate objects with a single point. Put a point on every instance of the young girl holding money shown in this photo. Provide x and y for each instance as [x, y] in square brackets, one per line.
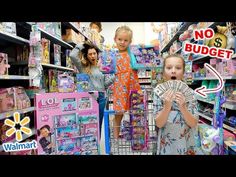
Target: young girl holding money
[174, 115]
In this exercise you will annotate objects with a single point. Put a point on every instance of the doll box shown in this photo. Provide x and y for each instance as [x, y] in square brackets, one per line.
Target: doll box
[143, 57]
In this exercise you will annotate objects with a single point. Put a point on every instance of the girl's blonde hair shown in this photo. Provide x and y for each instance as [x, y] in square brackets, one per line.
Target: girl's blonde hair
[126, 29]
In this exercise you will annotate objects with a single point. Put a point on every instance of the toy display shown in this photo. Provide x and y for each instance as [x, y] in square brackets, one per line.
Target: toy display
[46, 51]
[68, 59]
[138, 121]
[4, 64]
[57, 55]
[63, 127]
[83, 83]
[107, 61]
[65, 83]
[145, 57]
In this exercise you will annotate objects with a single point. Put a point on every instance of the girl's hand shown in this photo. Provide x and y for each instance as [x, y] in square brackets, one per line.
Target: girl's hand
[180, 100]
[168, 98]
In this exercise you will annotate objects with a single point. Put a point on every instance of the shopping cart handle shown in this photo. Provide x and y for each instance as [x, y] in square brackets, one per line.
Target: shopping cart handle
[109, 112]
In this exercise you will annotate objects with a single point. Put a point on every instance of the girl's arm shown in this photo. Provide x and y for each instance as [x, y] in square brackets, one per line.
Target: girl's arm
[189, 118]
[162, 116]
[74, 55]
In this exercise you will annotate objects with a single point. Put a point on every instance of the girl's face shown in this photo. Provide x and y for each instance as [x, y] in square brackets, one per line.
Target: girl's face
[44, 132]
[174, 69]
[92, 56]
[122, 40]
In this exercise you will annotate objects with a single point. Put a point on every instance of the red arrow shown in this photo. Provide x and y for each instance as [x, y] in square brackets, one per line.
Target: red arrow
[202, 91]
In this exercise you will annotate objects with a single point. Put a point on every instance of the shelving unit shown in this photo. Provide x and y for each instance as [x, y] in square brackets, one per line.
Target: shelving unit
[210, 119]
[12, 38]
[57, 67]
[228, 105]
[14, 77]
[175, 37]
[21, 111]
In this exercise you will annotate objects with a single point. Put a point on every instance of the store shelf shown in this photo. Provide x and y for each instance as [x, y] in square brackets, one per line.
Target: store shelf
[72, 26]
[14, 77]
[175, 37]
[214, 78]
[144, 77]
[24, 137]
[201, 58]
[55, 39]
[25, 62]
[210, 119]
[57, 67]
[179, 50]
[21, 111]
[13, 38]
[146, 83]
[228, 105]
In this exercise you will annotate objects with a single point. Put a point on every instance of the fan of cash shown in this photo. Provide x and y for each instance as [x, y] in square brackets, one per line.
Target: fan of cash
[177, 86]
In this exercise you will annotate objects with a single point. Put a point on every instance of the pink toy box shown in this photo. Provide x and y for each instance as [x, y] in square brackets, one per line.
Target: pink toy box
[66, 122]
[4, 64]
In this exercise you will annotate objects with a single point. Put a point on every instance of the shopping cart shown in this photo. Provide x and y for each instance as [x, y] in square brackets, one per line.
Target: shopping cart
[125, 144]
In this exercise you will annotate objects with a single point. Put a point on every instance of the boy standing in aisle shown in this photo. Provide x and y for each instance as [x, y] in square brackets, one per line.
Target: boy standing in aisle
[175, 118]
[98, 27]
[126, 78]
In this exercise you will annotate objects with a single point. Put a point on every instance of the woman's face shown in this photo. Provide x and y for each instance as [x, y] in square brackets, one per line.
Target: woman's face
[174, 69]
[92, 56]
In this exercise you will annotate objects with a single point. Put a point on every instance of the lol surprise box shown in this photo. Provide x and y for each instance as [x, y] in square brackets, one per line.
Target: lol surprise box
[67, 123]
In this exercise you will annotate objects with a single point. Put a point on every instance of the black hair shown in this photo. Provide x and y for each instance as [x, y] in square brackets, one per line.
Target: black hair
[45, 126]
[86, 48]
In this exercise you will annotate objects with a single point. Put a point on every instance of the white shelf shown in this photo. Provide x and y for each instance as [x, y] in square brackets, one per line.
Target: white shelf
[179, 50]
[10, 113]
[228, 105]
[14, 77]
[24, 137]
[13, 38]
[177, 34]
[144, 77]
[210, 119]
[55, 39]
[214, 78]
[57, 67]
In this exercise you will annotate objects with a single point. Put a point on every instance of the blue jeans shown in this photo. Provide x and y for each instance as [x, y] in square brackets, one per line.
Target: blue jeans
[102, 102]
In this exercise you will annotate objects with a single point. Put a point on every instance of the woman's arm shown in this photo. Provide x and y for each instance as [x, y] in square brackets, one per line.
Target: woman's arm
[74, 55]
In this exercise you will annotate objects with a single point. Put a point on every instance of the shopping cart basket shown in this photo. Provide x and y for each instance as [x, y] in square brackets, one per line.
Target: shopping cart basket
[125, 144]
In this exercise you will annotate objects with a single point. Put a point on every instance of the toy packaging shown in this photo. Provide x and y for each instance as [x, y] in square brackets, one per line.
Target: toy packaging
[68, 59]
[53, 79]
[46, 51]
[63, 128]
[143, 57]
[57, 54]
[4, 64]
[66, 83]
[3, 130]
[138, 120]
[83, 83]
[107, 61]
[7, 99]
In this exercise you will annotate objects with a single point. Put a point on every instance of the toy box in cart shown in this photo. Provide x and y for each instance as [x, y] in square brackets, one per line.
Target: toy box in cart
[67, 123]
[144, 57]
[138, 133]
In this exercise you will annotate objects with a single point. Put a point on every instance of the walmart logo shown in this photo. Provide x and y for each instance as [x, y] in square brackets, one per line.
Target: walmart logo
[17, 128]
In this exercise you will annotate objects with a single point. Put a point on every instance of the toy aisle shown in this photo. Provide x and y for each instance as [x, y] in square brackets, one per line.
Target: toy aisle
[48, 107]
